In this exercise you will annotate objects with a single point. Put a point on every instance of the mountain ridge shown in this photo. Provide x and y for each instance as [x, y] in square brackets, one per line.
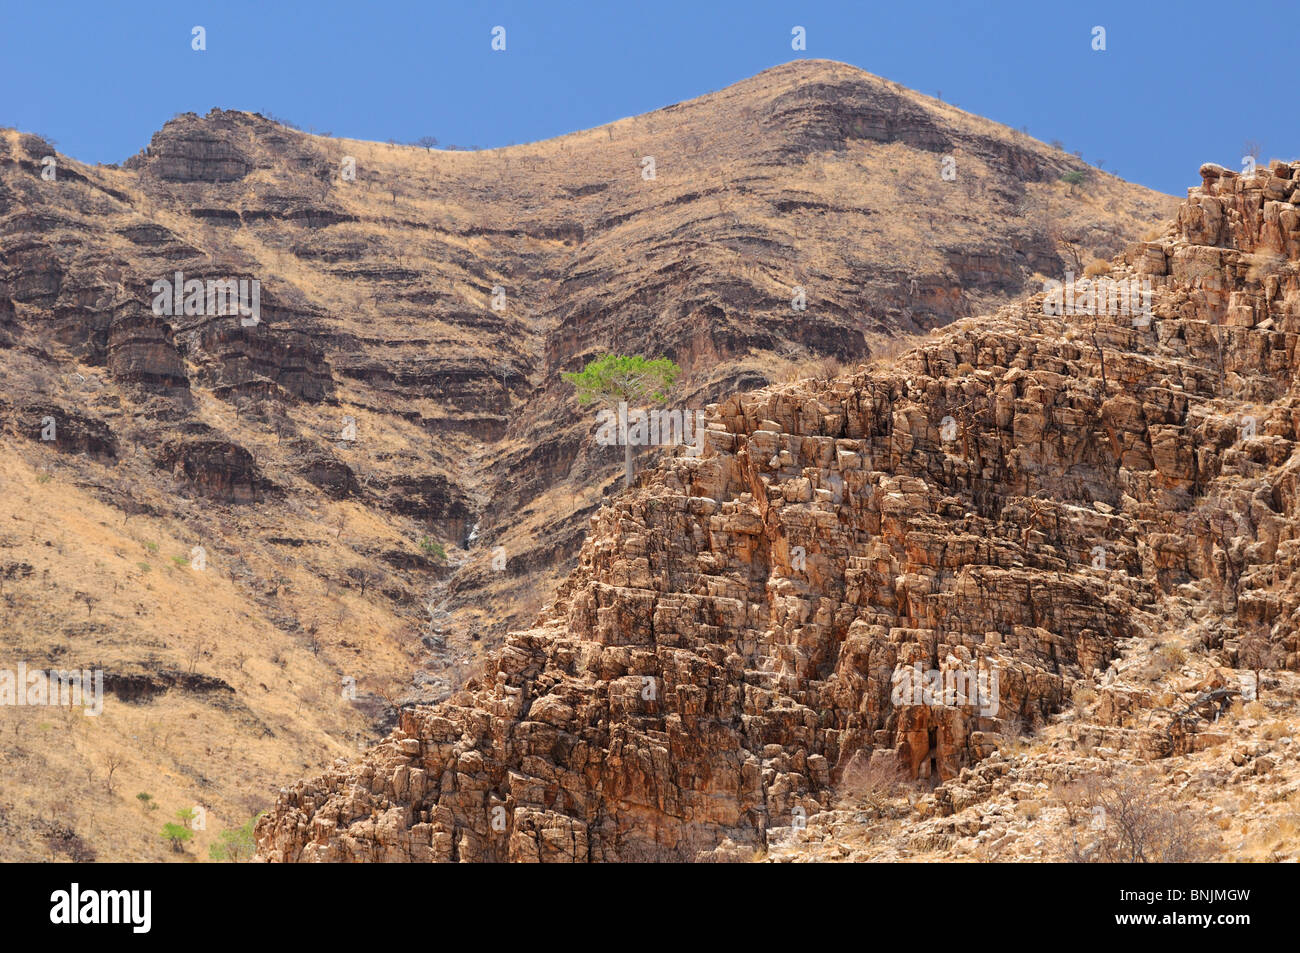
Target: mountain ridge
[370, 556]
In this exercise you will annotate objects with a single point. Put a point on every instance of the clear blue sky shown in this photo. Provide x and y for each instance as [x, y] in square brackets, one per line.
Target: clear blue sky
[1179, 84]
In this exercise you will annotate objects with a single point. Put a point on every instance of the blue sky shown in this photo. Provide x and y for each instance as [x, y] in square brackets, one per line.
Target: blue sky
[1179, 83]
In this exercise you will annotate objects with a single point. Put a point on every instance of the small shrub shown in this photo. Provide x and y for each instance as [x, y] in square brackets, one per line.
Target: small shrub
[1029, 810]
[830, 367]
[434, 549]
[1073, 796]
[1275, 730]
[1167, 658]
[1097, 267]
[1013, 733]
[235, 846]
[68, 842]
[873, 782]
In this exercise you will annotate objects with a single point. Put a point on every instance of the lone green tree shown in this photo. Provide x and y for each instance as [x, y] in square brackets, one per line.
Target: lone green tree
[619, 378]
[177, 835]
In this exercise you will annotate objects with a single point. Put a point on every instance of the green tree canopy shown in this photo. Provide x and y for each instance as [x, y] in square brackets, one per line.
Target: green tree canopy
[177, 834]
[620, 377]
[614, 378]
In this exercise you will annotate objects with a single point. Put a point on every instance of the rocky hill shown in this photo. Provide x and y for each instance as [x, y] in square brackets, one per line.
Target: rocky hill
[1102, 509]
[271, 533]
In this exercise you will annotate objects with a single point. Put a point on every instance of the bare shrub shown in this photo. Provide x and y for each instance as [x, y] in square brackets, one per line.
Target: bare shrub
[64, 840]
[1073, 796]
[1167, 658]
[1257, 652]
[112, 762]
[1012, 732]
[1132, 822]
[1082, 697]
[872, 782]
[829, 368]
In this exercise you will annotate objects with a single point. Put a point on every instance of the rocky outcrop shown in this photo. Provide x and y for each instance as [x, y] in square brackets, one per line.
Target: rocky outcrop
[330, 474]
[830, 114]
[142, 350]
[433, 500]
[195, 158]
[218, 470]
[62, 429]
[248, 355]
[8, 322]
[1019, 495]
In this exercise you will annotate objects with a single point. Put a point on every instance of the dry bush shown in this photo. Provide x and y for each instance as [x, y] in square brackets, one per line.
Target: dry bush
[818, 368]
[872, 782]
[1073, 796]
[1029, 810]
[829, 368]
[1275, 730]
[64, 840]
[1136, 824]
[1257, 652]
[885, 353]
[1097, 267]
[1167, 658]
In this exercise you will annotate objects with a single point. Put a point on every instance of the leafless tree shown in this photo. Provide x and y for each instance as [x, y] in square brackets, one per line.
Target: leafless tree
[1256, 651]
[1133, 822]
[196, 652]
[111, 763]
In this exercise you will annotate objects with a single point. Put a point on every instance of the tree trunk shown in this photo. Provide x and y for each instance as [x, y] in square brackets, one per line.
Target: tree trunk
[627, 464]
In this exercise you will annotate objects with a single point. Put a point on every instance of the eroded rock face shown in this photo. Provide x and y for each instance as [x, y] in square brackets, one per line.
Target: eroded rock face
[62, 429]
[379, 319]
[8, 323]
[189, 158]
[217, 469]
[1019, 494]
[142, 350]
